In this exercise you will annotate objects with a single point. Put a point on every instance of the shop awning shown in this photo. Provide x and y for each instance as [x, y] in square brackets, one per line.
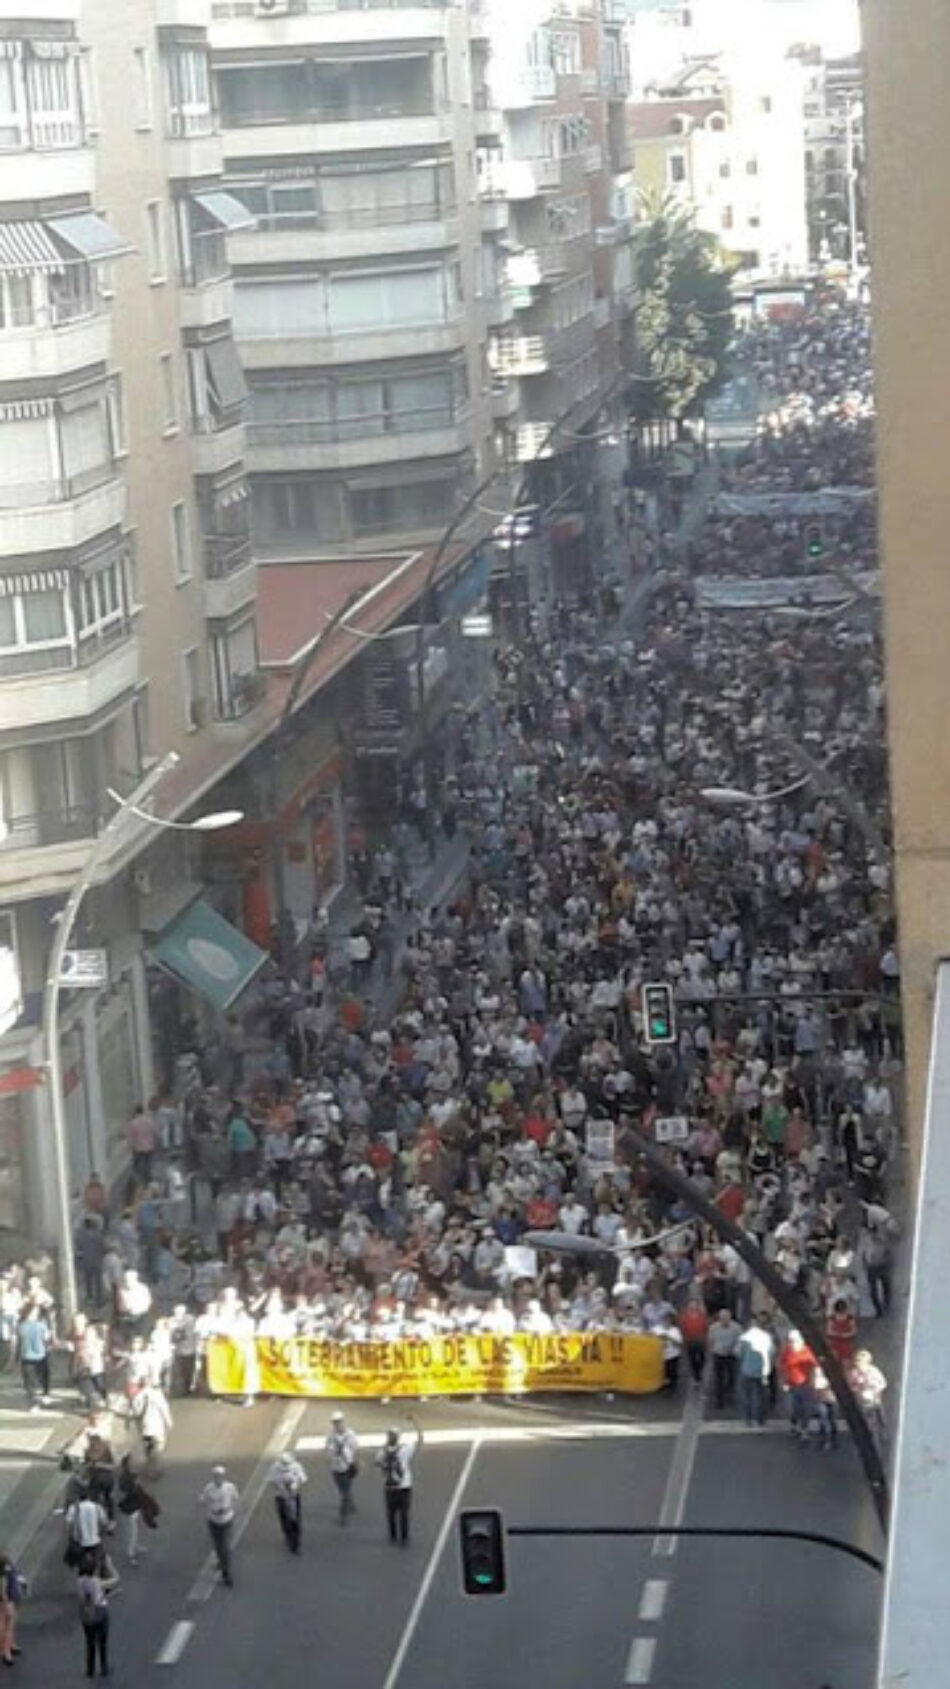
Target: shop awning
[89, 235]
[26, 248]
[225, 211]
[206, 952]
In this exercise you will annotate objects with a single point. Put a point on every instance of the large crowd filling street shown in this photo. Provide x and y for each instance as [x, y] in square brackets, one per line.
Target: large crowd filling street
[374, 1174]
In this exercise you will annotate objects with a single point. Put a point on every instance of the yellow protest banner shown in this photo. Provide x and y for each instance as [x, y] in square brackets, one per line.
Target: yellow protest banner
[459, 1365]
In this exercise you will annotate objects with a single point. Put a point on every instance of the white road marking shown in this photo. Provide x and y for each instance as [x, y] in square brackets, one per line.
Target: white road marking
[409, 1631]
[456, 1436]
[640, 1660]
[175, 1643]
[681, 1472]
[280, 1438]
[653, 1600]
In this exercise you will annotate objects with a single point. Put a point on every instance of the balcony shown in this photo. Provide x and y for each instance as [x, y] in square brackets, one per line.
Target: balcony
[237, 24]
[493, 211]
[537, 265]
[217, 442]
[59, 515]
[616, 84]
[316, 445]
[489, 122]
[73, 683]
[529, 354]
[593, 159]
[525, 85]
[230, 575]
[192, 145]
[304, 134]
[519, 178]
[366, 235]
[48, 172]
[183, 14]
[285, 350]
[68, 338]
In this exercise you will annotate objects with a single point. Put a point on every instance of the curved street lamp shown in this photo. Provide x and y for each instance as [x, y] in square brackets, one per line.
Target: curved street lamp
[734, 797]
[65, 925]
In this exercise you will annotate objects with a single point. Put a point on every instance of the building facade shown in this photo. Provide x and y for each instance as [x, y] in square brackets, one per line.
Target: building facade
[910, 237]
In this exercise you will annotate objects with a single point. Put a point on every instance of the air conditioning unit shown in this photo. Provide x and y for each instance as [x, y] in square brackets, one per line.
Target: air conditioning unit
[272, 8]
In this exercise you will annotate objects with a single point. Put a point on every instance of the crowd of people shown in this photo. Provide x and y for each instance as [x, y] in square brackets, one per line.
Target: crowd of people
[376, 1177]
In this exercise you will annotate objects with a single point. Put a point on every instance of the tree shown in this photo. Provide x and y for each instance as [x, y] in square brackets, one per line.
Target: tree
[684, 316]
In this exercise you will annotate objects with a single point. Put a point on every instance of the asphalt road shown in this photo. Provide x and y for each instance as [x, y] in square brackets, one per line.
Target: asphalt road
[355, 1613]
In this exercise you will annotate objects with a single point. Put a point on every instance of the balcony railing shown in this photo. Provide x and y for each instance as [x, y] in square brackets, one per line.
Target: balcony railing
[49, 827]
[30, 494]
[354, 217]
[59, 659]
[51, 313]
[224, 554]
[181, 122]
[313, 431]
[368, 112]
[32, 133]
[313, 8]
[529, 355]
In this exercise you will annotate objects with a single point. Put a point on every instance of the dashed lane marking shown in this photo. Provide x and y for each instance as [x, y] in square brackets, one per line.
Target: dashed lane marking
[280, 1438]
[640, 1660]
[681, 1471]
[653, 1600]
[457, 1435]
[175, 1643]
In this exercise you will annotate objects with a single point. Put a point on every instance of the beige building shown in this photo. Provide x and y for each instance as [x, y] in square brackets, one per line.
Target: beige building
[126, 582]
[908, 114]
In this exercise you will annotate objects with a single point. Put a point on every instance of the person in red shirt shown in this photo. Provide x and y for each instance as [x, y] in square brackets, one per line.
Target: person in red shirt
[796, 1369]
[841, 1329]
[694, 1324]
[731, 1201]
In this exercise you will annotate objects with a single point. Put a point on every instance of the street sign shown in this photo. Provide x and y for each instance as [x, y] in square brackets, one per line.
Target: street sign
[671, 1129]
[85, 969]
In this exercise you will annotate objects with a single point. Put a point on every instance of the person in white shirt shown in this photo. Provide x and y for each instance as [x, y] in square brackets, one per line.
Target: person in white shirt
[396, 1460]
[343, 1452]
[220, 1498]
[287, 1478]
[573, 1216]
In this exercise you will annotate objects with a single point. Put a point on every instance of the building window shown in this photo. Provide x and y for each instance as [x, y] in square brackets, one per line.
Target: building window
[181, 542]
[752, 167]
[234, 668]
[115, 416]
[766, 103]
[169, 394]
[155, 241]
[140, 728]
[725, 170]
[188, 91]
[11, 994]
[141, 88]
[34, 631]
[191, 687]
[677, 167]
[727, 218]
[754, 220]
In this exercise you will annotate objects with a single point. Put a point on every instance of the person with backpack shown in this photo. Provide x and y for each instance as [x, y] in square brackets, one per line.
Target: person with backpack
[93, 1587]
[288, 1478]
[343, 1452]
[396, 1459]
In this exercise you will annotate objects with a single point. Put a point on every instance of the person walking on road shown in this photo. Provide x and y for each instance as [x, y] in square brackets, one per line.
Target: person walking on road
[723, 1342]
[34, 1341]
[396, 1460]
[220, 1498]
[288, 1478]
[135, 1503]
[93, 1587]
[796, 1367]
[343, 1451]
[756, 1352]
[152, 1415]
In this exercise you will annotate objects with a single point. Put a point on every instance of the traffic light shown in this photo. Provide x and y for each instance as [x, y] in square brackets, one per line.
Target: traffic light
[482, 1537]
[659, 1015]
[814, 540]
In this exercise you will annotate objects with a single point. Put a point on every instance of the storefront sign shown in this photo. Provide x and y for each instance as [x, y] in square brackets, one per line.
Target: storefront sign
[459, 1365]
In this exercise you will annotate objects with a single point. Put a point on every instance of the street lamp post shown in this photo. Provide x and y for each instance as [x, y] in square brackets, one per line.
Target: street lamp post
[734, 797]
[65, 926]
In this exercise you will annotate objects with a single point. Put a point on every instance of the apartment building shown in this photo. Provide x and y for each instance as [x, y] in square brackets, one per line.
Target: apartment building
[126, 581]
[726, 136]
[835, 164]
[554, 172]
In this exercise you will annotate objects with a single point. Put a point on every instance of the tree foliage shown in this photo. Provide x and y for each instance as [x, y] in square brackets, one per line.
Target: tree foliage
[684, 314]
